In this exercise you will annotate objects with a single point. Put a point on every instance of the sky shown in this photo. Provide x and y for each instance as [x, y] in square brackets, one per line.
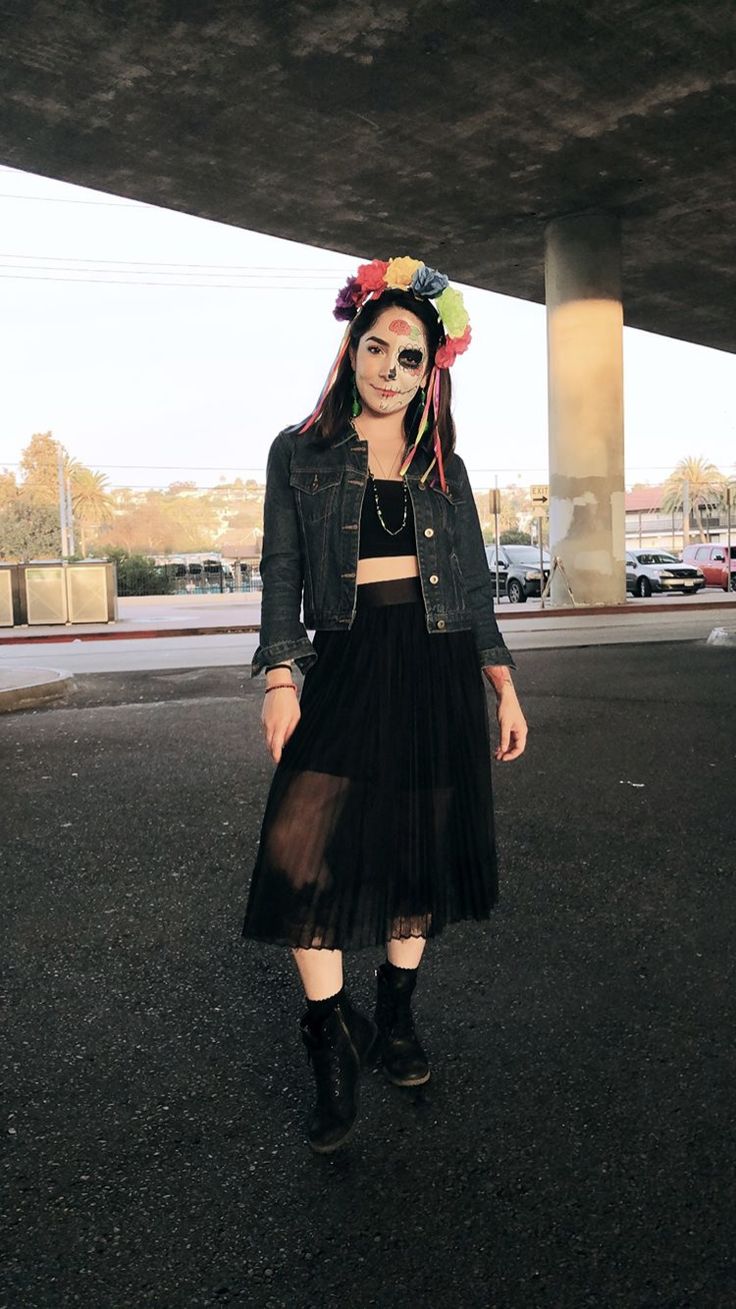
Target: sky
[160, 347]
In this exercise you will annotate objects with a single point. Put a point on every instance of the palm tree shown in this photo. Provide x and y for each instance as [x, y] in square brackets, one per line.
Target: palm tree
[706, 485]
[90, 501]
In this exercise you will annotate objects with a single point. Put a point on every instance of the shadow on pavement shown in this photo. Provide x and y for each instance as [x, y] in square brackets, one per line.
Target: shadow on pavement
[572, 1146]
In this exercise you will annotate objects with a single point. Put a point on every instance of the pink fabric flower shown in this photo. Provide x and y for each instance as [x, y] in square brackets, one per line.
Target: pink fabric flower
[454, 346]
[462, 342]
[445, 356]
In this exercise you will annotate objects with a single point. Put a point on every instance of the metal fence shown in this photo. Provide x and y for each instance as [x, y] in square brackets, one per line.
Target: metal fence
[189, 579]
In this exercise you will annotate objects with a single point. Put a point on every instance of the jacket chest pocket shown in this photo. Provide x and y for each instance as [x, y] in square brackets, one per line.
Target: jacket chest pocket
[315, 491]
[444, 507]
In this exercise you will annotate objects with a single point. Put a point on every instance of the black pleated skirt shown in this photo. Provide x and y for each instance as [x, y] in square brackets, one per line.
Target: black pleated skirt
[379, 817]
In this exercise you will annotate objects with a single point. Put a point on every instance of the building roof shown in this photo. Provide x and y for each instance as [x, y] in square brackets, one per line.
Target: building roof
[647, 499]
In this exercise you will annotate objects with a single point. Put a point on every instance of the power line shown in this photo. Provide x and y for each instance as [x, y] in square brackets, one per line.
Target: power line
[61, 200]
[255, 270]
[101, 281]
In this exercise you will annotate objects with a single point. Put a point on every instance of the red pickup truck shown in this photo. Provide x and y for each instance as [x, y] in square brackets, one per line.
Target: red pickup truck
[711, 560]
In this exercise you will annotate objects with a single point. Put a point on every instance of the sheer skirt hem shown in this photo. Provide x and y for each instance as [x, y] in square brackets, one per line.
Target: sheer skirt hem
[378, 941]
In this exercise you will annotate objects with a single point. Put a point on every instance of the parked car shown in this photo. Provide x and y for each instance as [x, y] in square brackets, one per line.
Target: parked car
[519, 574]
[203, 575]
[631, 578]
[658, 570]
[711, 560]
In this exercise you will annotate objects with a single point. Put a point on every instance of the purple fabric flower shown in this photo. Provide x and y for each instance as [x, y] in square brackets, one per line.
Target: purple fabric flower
[347, 300]
[428, 282]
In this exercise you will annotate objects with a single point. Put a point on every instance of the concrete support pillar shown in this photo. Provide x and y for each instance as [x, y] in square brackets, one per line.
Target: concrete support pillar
[586, 424]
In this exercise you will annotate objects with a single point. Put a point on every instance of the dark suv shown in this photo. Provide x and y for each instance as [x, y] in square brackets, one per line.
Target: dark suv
[519, 574]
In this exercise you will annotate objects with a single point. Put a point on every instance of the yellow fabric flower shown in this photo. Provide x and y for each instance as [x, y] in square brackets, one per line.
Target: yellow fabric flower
[400, 272]
[451, 308]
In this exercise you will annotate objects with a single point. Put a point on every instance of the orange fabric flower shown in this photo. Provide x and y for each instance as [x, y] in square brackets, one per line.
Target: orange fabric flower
[400, 272]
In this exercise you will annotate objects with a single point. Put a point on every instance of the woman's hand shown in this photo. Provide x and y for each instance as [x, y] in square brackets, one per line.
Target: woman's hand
[279, 716]
[511, 721]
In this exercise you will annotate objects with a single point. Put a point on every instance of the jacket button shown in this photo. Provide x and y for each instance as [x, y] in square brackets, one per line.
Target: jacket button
[429, 531]
[440, 622]
[434, 579]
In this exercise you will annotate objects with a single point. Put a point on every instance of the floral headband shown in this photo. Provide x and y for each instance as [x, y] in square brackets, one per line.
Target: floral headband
[411, 275]
[406, 274]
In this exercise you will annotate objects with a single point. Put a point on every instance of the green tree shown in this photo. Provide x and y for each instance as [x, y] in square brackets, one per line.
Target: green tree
[29, 531]
[8, 489]
[39, 466]
[515, 538]
[139, 575]
[91, 503]
[707, 486]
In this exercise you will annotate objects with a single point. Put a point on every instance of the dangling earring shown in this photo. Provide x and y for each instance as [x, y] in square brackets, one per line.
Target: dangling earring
[357, 406]
[422, 396]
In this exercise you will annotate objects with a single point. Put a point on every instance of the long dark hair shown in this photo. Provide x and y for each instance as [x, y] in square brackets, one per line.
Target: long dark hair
[337, 408]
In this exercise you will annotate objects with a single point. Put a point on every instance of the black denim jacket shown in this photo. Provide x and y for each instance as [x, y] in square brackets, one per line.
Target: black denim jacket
[311, 525]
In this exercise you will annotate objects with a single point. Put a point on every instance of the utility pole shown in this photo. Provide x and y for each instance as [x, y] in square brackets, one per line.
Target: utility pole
[62, 503]
[540, 499]
[730, 575]
[70, 518]
[494, 501]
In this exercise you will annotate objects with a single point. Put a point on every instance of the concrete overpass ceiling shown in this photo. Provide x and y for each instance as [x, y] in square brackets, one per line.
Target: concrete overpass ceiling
[449, 130]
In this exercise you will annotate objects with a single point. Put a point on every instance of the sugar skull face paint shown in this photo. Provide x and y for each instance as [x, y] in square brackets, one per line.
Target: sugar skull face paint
[391, 362]
[402, 328]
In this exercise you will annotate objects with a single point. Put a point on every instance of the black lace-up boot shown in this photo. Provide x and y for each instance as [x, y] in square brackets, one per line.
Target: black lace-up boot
[403, 1058]
[337, 1047]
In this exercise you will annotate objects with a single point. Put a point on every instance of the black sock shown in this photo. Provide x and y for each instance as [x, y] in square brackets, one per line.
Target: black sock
[395, 970]
[318, 1010]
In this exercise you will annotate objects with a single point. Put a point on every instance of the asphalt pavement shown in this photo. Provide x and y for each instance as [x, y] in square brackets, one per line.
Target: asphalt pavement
[575, 1144]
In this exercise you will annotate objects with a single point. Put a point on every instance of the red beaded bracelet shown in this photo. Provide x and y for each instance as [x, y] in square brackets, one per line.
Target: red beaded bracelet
[279, 686]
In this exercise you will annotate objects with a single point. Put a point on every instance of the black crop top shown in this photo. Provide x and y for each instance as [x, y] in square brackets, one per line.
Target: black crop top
[375, 543]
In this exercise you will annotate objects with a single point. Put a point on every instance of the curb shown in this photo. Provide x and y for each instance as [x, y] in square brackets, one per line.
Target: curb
[35, 687]
[236, 629]
[135, 635]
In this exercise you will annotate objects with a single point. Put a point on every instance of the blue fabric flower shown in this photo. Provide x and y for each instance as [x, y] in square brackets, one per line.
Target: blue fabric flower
[428, 282]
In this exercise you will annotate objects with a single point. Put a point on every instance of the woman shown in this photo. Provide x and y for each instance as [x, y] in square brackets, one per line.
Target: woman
[379, 820]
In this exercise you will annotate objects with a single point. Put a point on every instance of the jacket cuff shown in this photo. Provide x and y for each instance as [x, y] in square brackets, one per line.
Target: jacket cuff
[495, 657]
[301, 651]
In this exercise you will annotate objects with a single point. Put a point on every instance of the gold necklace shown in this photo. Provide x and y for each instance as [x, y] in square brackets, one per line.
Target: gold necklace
[374, 455]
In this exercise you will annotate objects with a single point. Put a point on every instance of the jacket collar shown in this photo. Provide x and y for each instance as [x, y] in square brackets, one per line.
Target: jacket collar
[342, 439]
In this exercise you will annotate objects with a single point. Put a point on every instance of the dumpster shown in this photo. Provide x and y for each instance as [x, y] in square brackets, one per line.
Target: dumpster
[9, 594]
[54, 592]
